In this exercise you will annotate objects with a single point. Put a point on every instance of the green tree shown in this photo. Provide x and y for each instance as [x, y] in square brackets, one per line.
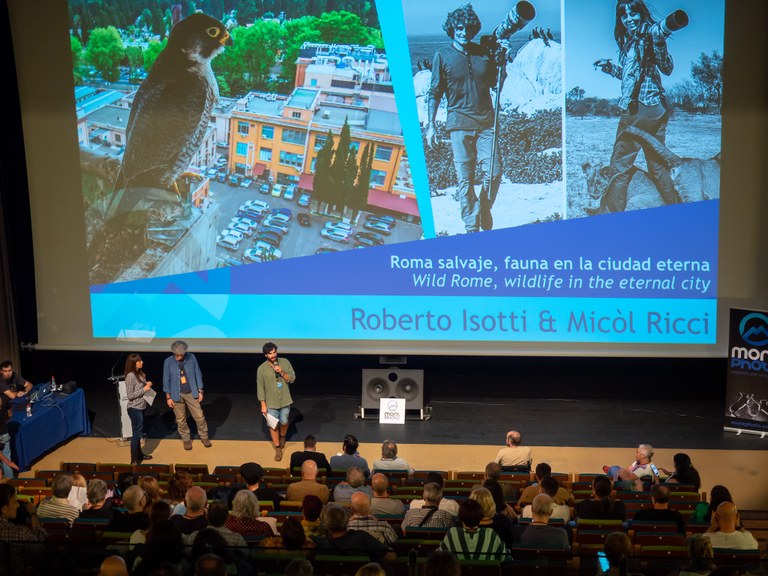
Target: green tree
[246, 12]
[146, 19]
[152, 52]
[296, 33]
[247, 64]
[322, 185]
[105, 51]
[707, 72]
[77, 59]
[359, 198]
[135, 57]
[342, 28]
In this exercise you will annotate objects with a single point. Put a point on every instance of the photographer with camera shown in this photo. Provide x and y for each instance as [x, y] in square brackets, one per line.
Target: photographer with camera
[643, 57]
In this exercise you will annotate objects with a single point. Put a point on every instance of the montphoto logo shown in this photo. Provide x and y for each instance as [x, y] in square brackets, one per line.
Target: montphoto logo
[392, 405]
[753, 329]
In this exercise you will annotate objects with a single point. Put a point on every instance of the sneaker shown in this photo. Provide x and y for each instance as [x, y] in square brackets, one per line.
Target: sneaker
[206, 443]
[278, 453]
[187, 444]
[146, 457]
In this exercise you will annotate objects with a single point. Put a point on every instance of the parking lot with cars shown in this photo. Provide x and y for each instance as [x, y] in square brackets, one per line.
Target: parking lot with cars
[258, 223]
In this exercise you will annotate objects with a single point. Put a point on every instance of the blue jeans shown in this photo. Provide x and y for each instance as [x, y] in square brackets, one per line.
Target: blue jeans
[473, 148]
[5, 439]
[137, 425]
[280, 413]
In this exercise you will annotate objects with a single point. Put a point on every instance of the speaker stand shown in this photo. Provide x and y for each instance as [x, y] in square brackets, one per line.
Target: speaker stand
[424, 413]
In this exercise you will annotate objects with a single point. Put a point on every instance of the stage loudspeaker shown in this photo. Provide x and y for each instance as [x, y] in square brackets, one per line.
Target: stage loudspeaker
[393, 383]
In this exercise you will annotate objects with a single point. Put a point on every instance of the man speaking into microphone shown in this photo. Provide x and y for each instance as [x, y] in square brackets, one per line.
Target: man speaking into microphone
[273, 379]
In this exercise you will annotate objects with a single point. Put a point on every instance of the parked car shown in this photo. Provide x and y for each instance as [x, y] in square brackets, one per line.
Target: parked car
[263, 253]
[234, 180]
[290, 192]
[341, 226]
[264, 188]
[303, 218]
[281, 217]
[272, 229]
[285, 211]
[221, 161]
[325, 250]
[245, 222]
[389, 220]
[237, 234]
[363, 242]
[240, 229]
[304, 200]
[266, 246]
[212, 173]
[246, 182]
[255, 205]
[229, 242]
[371, 236]
[228, 262]
[270, 238]
[251, 213]
[277, 190]
[279, 224]
[377, 226]
[335, 235]
[221, 176]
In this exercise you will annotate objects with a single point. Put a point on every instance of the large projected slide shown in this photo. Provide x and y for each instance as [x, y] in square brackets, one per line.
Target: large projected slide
[529, 172]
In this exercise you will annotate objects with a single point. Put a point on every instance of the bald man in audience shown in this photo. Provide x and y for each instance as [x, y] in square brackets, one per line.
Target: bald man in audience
[113, 566]
[513, 455]
[210, 565]
[134, 518]
[362, 519]
[381, 502]
[723, 533]
[194, 519]
[308, 484]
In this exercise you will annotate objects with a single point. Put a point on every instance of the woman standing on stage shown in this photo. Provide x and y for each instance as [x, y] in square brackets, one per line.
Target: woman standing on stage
[135, 386]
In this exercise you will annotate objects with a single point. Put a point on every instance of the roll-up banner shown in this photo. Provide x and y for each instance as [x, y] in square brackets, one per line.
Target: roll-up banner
[746, 399]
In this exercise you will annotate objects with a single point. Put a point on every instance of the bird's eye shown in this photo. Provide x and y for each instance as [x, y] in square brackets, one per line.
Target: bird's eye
[213, 32]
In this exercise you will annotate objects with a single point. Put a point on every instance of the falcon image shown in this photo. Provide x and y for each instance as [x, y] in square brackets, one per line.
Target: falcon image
[171, 109]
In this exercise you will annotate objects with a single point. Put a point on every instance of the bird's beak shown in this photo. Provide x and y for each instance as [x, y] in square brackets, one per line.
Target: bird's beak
[226, 39]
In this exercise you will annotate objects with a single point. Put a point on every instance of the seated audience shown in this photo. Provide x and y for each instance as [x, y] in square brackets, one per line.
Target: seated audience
[151, 488]
[78, 494]
[493, 473]
[210, 547]
[134, 517]
[113, 566]
[471, 541]
[513, 456]
[194, 518]
[717, 496]
[252, 473]
[539, 534]
[442, 563]
[543, 470]
[309, 453]
[355, 483]
[212, 565]
[618, 550]
[311, 508]
[292, 539]
[390, 460]
[498, 497]
[362, 519]
[244, 518]
[381, 502]
[700, 555]
[164, 544]
[58, 505]
[429, 515]
[96, 506]
[124, 481]
[349, 456]
[550, 486]
[491, 518]
[299, 567]
[217, 518]
[371, 569]
[160, 510]
[724, 531]
[17, 556]
[601, 506]
[660, 511]
[445, 503]
[350, 542]
[633, 475]
[178, 484]
[684, 472]
[308, 484]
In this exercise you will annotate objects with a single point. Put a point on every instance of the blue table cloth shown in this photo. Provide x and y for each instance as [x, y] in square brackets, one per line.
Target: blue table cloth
[54, 419]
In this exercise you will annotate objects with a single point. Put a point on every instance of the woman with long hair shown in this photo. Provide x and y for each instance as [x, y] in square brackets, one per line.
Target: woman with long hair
[136, 385]
[643, 57]
[684, 472]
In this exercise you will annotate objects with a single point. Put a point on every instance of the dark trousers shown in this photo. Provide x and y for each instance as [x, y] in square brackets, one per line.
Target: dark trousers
[137, 426]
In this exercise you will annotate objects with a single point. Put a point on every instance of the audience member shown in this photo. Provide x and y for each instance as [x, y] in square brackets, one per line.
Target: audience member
[299, 567]
[124, 481]
[134, 517]
[491, 518]
[471, 541]
[164, 545]
[217, 518]
[355, 483]
[493, 472]
[209, 542]
[442, 563]
[633, 475]
[660, 511]
[292, 539]
[210, 565]
[429, 515]
[57, 506]
[601, 506]
[152, 489]
[513, 456]
[309, 453]
[543, 470]
[160, 510]
[502, 507]
[362, 519]
[97, 506]
[684, 472]
[113, 566]
[308, 484]
[349, 456]
[244, 518]
[381, 503]
[252, 473]
[194, 518]
[311, 508]
[78, 494]
[539, 534]
[446, 504]
[178, 484]
[371, 569]
[390, 460]
[15, 556]
[700, 555]
[617, 548]
[724, 531]
[350, 542]
[717, 496]
[550, 486]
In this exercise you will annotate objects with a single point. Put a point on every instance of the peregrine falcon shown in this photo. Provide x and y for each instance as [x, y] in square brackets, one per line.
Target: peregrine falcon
[172, 108]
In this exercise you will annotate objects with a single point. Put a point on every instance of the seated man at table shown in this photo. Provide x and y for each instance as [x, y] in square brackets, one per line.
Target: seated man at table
[11, 384]
[58, 506]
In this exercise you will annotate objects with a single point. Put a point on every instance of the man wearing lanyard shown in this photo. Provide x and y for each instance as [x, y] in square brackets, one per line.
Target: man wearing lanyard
[183, 387]
[272, 388]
